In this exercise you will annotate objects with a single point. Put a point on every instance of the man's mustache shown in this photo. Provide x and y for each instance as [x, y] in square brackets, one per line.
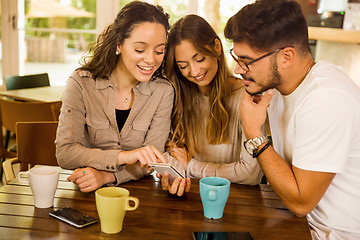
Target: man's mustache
[247, 78]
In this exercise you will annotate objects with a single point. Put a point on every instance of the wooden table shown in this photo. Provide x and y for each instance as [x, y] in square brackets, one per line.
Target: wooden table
[254, 209]
[39, 94]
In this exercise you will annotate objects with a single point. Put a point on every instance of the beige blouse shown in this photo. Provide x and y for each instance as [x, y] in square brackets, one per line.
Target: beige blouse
[88, 134]
[229, 161]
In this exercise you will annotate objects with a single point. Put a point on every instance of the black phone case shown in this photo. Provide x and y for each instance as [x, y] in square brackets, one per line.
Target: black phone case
[73, 217]
[222, 236]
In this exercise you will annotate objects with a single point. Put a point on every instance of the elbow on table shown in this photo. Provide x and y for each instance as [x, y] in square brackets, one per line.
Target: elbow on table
[253, 176]
[63, 161]
[300, 210]
[64, 164]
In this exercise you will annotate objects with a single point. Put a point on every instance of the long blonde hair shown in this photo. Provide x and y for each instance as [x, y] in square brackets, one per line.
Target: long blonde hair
[186, 129]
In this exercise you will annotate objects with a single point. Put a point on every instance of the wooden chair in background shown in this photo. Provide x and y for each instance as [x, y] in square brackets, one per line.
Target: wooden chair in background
[12, 112]
[25, 81]
[35, 146]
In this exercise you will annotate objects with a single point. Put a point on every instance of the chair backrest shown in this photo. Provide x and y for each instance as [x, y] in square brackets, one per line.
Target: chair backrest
[12, 112]
[27, 81]
[35, 143]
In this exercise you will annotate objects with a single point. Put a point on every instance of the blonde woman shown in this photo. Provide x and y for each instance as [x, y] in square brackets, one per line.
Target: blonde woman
[207, 138]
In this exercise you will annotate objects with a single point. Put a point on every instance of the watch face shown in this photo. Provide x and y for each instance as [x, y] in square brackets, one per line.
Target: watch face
[252, 145]
[249, 147]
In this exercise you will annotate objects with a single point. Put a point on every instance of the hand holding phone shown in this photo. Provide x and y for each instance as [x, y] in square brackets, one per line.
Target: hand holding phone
[73, 217]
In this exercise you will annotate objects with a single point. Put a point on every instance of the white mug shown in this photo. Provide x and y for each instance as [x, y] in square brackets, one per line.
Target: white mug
[43, 182]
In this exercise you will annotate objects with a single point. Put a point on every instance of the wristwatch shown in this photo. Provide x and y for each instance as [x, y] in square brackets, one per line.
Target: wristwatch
[252, 145]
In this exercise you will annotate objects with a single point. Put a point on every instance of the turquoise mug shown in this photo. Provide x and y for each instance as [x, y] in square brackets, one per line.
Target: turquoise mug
[214, 192]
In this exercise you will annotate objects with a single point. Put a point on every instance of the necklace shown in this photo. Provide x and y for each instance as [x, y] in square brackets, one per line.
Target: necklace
[126, 100]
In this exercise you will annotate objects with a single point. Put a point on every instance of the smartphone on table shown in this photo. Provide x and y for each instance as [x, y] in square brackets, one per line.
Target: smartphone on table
[73, 217]
[222, 236]
[163, 168]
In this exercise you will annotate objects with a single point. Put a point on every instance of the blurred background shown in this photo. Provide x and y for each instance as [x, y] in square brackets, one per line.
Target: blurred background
[52, 35]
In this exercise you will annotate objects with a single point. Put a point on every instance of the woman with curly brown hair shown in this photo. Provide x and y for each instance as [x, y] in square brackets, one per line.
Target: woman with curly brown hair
[115, 116]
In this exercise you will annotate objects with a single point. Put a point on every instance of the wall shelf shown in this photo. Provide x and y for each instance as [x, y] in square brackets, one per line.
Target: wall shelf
[334, 35]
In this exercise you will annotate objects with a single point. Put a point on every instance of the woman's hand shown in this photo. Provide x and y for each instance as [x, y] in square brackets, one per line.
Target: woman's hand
[181, 155]
[178, 186]
[142, 155]
[89, 179]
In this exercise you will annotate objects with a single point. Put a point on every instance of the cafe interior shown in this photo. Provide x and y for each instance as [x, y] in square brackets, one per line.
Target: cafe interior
[43, 42]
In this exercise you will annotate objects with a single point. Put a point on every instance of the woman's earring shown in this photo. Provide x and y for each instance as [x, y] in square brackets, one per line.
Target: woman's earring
[117, 52]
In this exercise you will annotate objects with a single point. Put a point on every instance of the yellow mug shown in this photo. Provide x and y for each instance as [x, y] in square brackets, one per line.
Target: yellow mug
[112, 204]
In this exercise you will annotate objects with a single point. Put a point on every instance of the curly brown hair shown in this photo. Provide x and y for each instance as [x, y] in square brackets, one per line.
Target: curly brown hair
[104, 59]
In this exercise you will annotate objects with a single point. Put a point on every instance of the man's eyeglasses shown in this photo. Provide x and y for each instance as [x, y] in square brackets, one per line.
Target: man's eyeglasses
[245, 65]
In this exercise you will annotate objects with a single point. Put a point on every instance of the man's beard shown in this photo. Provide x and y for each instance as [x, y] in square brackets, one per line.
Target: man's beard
[275, 80]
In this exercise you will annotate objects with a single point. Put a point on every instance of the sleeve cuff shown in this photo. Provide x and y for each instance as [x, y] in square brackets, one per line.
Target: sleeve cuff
[129, 172]
[110, 163]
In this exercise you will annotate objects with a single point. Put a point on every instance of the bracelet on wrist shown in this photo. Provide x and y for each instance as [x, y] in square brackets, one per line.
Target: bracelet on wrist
[257, 153]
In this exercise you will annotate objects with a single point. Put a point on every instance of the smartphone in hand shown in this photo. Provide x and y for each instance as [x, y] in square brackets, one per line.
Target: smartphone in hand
[73, 217]
[163, 168]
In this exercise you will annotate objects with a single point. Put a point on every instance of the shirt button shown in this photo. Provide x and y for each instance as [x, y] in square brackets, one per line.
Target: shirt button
[69, 110]
[118, 143]
[112, 167]
[107, 167]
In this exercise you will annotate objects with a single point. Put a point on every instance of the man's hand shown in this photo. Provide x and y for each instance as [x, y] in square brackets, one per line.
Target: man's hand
[253, 112]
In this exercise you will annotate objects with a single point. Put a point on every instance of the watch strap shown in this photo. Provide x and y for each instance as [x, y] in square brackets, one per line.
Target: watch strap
[258, 152]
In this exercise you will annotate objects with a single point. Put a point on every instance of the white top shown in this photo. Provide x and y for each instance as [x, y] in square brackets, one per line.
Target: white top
[317, 128]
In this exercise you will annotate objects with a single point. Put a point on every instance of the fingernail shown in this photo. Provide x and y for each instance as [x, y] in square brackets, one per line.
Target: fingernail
[271, 91]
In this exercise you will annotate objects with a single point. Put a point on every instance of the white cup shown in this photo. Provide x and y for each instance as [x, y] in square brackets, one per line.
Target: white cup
[43, 182]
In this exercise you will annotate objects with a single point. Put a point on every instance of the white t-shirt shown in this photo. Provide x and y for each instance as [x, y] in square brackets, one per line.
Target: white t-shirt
[317, 128]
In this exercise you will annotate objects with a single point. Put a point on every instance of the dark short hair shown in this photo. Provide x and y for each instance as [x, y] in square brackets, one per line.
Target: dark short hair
[104, 59]
[269, 24]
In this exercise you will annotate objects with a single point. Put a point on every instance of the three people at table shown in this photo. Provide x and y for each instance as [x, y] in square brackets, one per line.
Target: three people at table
[314, 113]
[314, 162]
[116, 111]
[207, 137]
[115, 116]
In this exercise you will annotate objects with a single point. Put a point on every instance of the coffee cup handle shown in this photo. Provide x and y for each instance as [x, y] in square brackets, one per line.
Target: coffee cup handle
[212, 195]
[21, 179]
[132, 199]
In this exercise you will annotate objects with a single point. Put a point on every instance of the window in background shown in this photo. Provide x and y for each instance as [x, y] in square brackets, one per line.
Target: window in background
[175, 8]
[226, 9]
[57, 34]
